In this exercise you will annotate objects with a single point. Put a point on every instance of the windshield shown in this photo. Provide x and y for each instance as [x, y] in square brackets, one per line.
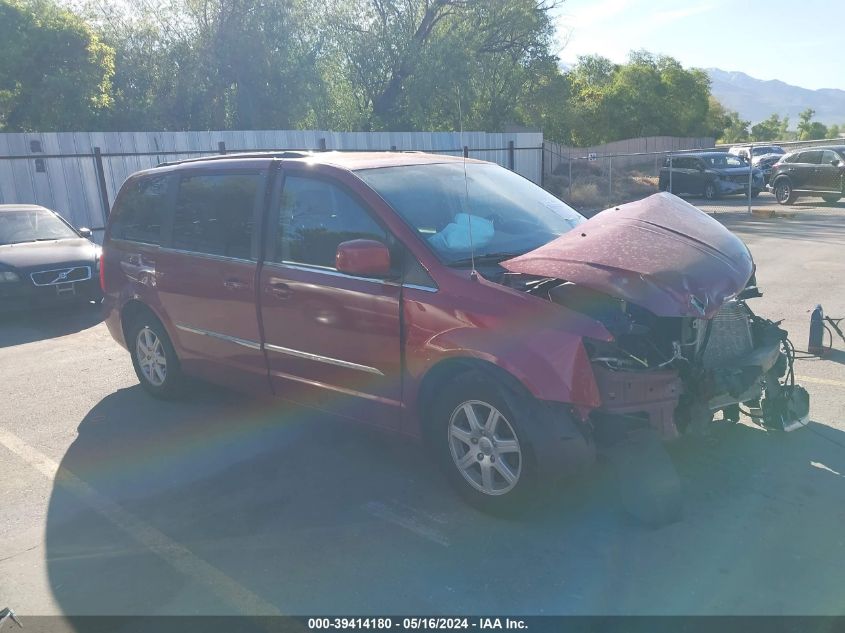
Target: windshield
[32, 225]
[767, 149]
[503, 214]
[723, 161]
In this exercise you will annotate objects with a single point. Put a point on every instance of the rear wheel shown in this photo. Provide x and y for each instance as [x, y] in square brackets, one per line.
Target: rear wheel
[154, 358]
[832, 198]
[783, 192]
[482, 445]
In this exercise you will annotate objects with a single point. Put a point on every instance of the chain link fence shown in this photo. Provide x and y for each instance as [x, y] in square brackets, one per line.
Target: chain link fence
[591, 182]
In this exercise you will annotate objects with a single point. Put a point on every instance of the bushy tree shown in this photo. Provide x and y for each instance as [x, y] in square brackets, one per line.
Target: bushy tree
[772, 129]
[809, 130]
[650, 95]
[55, 72]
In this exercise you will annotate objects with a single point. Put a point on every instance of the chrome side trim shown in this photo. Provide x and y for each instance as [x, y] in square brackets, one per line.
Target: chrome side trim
[323, 385]
[211, 256]
[223, 337]
[423, 288]
[321, 359]
[325, 270]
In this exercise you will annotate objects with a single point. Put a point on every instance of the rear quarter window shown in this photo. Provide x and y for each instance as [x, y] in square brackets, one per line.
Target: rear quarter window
[140, 209]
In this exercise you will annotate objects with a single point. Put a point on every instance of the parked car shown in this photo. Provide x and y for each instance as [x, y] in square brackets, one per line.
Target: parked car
[44, 260]
[448, 300]
[765, 164]
[709, 174]
[757, 152]
[814, 171]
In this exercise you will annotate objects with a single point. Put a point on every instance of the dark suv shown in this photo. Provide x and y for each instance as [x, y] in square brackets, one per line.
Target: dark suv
[443, 299]
[814, 171]
[709, 174]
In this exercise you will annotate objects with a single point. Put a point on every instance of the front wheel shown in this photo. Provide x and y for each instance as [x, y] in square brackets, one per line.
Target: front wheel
[783, 192]
[154, 358]
[831, 199]
[710, 191]
[482, 445]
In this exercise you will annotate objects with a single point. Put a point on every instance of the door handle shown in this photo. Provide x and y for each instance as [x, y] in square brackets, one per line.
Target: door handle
[279, 289]
[235, 284]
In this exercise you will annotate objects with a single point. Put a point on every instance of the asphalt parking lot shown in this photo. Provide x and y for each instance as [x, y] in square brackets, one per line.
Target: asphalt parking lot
[114, 503]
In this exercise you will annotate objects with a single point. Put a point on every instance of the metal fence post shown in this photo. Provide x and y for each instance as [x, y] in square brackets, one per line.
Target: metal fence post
[750, 174]
[101, 182]
[510, 155]
[322, 145]
[466, 151]
[569, 160]
[670, 174]
[609, 180]
[221, 147]
[543, 164]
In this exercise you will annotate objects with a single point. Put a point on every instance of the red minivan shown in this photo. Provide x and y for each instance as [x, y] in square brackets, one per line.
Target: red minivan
[446, 299]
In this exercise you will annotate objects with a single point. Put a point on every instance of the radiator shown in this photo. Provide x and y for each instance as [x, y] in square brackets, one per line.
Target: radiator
[730, 335]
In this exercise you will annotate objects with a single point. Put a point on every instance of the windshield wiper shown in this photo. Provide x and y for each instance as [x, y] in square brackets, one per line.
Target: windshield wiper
[486, 258]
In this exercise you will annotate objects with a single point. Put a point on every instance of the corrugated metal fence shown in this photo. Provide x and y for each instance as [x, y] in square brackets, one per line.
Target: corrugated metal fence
[79, 173]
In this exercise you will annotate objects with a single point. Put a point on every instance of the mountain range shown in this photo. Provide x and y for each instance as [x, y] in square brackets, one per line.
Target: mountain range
[757, 99]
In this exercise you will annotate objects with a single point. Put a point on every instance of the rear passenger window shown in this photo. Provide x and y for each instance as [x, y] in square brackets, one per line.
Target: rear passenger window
[811, 157]
[315, 217]
[139, 210]
[215, 213]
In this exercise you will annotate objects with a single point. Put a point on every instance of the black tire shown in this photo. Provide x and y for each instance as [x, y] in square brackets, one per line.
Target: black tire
[172, 383]
[477, 391]
[832, 198]
[784, 194]
[755, 193]
[710, 192]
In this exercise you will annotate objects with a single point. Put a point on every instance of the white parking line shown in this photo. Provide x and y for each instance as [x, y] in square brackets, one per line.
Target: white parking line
[177, 556]
[409, 519]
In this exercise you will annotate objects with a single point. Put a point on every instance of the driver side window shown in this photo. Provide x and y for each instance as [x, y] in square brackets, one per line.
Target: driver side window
[317, 215]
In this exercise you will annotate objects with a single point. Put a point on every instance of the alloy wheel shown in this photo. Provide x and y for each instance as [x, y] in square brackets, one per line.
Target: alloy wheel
[484, 447]
[151, 356]
[783, 192]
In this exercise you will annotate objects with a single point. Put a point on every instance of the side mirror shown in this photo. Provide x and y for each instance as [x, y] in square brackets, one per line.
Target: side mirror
[367, 258]
[835, 162]
[85, 232]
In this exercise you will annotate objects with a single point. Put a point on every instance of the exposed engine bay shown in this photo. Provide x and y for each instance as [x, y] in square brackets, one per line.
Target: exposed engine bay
[675, 373]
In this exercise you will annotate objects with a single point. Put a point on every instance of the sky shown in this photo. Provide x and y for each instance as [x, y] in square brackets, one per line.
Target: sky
[796, 41]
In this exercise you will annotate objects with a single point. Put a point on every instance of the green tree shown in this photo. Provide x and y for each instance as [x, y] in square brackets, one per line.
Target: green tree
[650, 95]
[833, 131]
[55, 72]
[736, 129]
[772, 129]
[809, 130]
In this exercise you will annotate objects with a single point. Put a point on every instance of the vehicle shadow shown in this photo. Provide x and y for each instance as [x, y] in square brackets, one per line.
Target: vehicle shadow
[223, 504]
[18, 328]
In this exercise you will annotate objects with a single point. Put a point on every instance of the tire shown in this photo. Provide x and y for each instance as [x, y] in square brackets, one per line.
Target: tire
[832, 199]
[755, 193]
[154, 358]
[783, 192]
[710, 192]
[504, 479]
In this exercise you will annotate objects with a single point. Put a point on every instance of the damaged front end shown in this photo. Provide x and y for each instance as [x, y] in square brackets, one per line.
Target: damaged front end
[672, 286]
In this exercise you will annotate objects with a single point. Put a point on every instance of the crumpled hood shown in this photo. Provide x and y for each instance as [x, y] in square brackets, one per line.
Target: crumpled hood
[660, 253]
[39, 254]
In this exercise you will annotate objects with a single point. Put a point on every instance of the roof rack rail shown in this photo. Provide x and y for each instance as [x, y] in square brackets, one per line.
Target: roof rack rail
[265, 154]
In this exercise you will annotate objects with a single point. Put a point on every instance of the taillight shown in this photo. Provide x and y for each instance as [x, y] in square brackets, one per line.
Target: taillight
[102, 271]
